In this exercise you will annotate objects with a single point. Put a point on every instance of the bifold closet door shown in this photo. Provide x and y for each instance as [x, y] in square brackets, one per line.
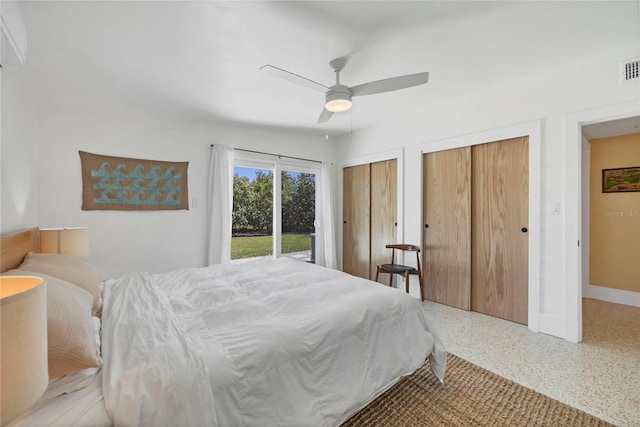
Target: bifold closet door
[384, 208]
[356, 216]
[499, 244]
[447, 221]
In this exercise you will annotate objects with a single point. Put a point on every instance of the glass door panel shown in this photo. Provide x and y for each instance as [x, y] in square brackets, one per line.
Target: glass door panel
[252, 216]
[298, 201]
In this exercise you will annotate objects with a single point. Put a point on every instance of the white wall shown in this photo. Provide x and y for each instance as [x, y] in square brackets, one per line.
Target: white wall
[156, 241]
[18, 173]
[548, 96]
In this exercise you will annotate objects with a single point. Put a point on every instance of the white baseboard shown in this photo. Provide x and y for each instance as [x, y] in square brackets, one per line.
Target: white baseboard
[617, 296]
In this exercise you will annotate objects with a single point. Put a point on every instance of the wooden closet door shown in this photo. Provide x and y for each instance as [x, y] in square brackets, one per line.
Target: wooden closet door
[500, 206]
[356, 221]
[447, 239]
[384, 178]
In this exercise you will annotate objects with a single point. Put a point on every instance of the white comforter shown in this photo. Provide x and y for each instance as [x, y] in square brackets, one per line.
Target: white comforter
[265, 343]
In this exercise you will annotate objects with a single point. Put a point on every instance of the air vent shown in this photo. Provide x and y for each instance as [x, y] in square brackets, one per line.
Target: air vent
[630, 70]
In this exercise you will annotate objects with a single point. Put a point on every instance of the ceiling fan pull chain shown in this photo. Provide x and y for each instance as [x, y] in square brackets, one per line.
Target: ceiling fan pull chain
[351, 117]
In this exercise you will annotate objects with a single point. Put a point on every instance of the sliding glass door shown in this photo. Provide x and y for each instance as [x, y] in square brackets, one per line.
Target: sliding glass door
[298, 215]
[274, 210]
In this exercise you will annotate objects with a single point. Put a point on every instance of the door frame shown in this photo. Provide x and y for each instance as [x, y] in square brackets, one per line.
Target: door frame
[573, 206]
[533, 131]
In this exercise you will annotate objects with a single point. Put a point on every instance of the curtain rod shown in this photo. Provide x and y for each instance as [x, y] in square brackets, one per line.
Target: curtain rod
[276, 155]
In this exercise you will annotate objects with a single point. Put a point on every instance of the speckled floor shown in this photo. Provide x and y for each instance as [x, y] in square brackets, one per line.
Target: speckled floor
[600, 375]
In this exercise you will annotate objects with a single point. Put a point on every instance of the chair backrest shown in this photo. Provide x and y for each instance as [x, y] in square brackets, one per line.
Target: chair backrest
[405, 247]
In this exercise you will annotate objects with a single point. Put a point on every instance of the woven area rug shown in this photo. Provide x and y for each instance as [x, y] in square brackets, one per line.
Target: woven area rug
[470, 396]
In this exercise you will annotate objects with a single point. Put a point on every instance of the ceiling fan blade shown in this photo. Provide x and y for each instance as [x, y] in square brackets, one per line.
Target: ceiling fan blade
[294, 78]
[324, 116]
[387, 85]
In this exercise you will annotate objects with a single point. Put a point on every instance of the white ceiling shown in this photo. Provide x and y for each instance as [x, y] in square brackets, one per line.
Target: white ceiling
[612, 128]
[201, 59]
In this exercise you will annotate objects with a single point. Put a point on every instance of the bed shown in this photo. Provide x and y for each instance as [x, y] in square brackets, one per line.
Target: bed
[262, 343]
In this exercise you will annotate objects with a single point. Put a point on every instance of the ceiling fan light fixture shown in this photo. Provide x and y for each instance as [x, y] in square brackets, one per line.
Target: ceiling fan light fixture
[338, 99]
[338, 105]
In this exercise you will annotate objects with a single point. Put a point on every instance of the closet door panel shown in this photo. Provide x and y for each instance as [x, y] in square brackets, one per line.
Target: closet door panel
[500, 196]
[356, 221]
[447, 240]
[383, 212]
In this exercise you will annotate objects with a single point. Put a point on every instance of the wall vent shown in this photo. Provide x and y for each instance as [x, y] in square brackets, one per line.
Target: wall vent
[630, 70]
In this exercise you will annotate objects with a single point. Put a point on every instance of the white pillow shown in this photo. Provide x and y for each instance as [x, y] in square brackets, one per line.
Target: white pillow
[76, 380]
[72, 344]
[68, 268]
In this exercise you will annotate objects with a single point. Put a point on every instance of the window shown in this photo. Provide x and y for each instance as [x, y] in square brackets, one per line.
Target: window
[274, 217]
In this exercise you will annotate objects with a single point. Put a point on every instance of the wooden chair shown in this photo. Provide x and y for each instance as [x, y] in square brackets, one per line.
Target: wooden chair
[403, 270]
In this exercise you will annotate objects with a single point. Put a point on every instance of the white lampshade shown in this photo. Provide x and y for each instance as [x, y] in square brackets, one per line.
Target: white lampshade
[23, 345]
[67, 241]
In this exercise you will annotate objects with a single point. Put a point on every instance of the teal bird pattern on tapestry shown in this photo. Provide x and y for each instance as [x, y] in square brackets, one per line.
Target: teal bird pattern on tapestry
[156, 187]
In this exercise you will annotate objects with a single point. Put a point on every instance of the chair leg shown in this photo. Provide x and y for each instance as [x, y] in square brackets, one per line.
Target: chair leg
[406, 281]
[421, 287]
[377, 272]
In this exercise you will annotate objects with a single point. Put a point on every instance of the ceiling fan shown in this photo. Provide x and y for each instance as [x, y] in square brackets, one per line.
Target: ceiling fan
[338, 97]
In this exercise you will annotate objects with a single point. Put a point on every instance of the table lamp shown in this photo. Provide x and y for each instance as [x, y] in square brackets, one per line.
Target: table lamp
[24, 372]
[68, 241]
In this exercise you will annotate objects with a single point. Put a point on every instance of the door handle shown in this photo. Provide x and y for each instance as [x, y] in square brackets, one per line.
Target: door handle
[524, 229]
[426, 226]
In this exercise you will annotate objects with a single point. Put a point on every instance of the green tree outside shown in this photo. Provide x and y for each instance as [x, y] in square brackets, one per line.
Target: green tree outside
[253, 203]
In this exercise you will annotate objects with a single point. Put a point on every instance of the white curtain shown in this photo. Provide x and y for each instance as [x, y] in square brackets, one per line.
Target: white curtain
[328, 226]
[220, 204]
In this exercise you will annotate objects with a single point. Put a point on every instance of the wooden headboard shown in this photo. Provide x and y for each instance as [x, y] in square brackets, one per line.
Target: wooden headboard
[15, 246]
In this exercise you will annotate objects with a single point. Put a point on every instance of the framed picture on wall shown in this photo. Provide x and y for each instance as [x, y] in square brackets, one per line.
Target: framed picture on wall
[621, 180]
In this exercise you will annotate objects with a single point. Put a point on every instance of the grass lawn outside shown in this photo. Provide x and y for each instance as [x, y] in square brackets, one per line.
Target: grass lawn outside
[256, 246]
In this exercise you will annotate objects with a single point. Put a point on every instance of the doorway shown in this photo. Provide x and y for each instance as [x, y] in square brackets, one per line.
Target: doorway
[573, 257]
[611, 211]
